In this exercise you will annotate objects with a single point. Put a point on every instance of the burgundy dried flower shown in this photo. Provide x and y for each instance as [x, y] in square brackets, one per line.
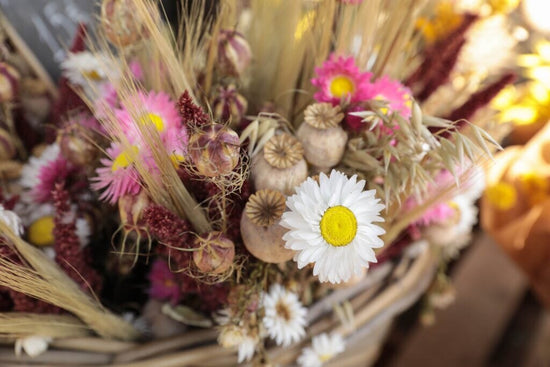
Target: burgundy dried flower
[192, 114]
[68, 252]
[163, 283]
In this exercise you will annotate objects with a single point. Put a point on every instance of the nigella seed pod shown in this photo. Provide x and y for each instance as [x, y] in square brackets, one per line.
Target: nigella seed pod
[260, 230]
[131, 208]
[281, 166]
[215, 150]
[228, 105]
[120, 22]
[9, 82]
[75, 147]
[214, 254]
[233, 52]
[7, 146]
[323, 138]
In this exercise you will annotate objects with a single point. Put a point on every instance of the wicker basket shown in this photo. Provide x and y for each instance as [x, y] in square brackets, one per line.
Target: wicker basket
[363, 313]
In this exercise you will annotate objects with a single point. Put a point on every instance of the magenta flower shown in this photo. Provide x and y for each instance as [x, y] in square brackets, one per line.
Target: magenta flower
[163, 283]
[339, 78]
[396, 94]
[118, 176]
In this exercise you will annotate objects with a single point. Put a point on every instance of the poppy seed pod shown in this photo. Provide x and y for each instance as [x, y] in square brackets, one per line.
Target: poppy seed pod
[281, 166]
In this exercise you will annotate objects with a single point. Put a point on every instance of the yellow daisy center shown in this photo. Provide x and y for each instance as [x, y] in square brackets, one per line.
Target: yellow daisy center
[92, 75]
[338, 226]
[41, 231]
[502, 195]
[124, 159]
[151, 118]
[325, 357]
[177, 159]
[341, 86]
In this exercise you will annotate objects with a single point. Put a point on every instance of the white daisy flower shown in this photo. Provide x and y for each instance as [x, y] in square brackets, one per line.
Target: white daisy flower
[285, 317]
[453, 235]
[30, 174]
[12, 220]
[85, 68]
[232, 336]
[83, 231]
[331, 225]
[33, 345]
[323, 348]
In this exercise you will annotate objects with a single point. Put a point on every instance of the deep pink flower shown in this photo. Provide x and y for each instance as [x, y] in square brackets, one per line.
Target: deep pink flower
[339, 78]
[396, 94]
[152, 108]
[163, 283]
[118, 175]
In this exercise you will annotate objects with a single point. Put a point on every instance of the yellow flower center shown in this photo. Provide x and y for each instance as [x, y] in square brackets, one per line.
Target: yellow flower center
[124, 159]
[151, 118]
[92, 75]
[502, 195]
[41, 231]
[177, 159]
[535, 186]
[338, 226]
[341, 86]
[325, 357]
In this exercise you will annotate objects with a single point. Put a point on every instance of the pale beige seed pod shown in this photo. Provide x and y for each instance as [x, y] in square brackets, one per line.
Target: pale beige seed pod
[282, 165]
[260, 230]
[323, 138]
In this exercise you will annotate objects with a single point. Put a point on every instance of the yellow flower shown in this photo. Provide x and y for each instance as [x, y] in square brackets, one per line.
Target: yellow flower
[445, 21]
[502, 195]
[535, 187]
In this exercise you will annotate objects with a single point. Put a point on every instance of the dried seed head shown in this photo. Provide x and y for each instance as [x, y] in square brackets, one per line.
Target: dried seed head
[283, 151]
[323, 115]
[265, 207]
[215, 253]
[234, 53]
[121, 23]
[215, 150]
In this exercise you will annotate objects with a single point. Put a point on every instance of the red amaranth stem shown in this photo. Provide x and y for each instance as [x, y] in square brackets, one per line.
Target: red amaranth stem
[68, 252]
[192, 114]
[436, 55]
[476, 101]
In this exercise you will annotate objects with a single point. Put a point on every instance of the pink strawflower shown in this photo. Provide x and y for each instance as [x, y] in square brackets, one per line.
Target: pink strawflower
[40, 174]
[339, 78]
[154, 107]
[136, 69]
[163, 283]
[396, 94]
[118, 176]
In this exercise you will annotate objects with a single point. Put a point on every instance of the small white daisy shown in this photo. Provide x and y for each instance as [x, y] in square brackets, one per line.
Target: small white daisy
[232, 336]
[12, 220]
[331, 225]
[83, 231]
[454, 234]
[30, 174]
[33, 345]
[323, 348]
[85, 68]
[285, 317]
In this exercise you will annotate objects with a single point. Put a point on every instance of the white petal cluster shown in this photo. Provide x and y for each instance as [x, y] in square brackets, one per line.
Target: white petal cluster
[323, 348]
[285, 317]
